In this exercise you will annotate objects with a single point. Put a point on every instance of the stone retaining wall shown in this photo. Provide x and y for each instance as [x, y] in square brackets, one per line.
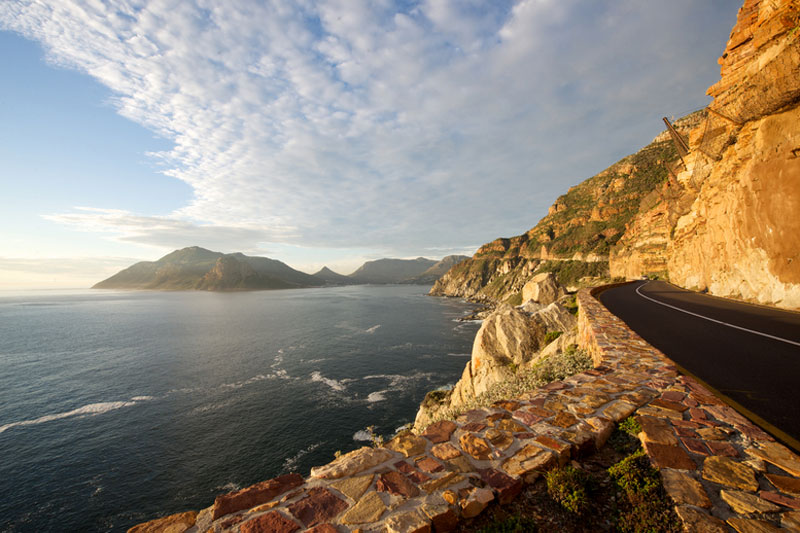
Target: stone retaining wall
[715, 464]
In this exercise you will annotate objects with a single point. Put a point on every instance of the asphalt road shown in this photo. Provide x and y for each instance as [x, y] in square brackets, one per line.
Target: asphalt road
[749, 353]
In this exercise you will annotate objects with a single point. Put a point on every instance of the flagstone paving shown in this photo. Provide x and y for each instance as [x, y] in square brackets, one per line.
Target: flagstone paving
[722, 472]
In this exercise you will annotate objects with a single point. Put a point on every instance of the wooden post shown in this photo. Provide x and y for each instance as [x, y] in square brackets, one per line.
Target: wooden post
[680, 144]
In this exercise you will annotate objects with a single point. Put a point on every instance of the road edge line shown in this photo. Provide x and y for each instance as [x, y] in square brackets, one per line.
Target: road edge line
[734, 326]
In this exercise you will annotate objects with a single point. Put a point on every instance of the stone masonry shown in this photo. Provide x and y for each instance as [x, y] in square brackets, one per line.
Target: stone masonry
[722, 472]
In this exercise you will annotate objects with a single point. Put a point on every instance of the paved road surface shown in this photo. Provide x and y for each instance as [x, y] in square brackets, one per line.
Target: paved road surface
[749, 353]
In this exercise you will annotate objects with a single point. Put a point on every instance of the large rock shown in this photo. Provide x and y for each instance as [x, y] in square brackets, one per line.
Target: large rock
[726, 221]
[352, 463]
[543, 289]
[255, 494]
[507, 339]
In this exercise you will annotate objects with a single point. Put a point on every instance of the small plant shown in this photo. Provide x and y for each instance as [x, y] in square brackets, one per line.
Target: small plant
[512, 524]
[377, 440]
[643, 501]
[550, 336]
[634, 475]
[630, 426]
[568, 486]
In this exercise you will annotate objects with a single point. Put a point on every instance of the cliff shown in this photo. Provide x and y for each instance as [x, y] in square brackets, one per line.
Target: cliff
[730, 224]
[577, 235]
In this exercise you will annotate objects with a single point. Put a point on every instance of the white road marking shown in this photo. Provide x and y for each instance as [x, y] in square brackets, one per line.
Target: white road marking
[713, 319]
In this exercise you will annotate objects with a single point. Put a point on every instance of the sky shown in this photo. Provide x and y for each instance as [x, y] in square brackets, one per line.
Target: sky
[321, 132]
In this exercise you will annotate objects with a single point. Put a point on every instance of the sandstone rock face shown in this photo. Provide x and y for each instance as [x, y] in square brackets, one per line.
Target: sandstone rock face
[727, 222]
[506, 340]
[542, 289]
[742, 237]
[509, 340]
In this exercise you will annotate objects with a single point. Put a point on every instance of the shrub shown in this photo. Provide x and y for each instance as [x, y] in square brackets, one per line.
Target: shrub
[556, 367]
[643, 503]
[630, 426]
[569, 487]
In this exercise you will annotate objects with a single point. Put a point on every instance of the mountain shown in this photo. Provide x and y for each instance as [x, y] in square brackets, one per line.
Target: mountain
[720, 217]
[384, 271]
[196, 268]
[575, 238]
[731, 224]
[438, 270]
[329, 277]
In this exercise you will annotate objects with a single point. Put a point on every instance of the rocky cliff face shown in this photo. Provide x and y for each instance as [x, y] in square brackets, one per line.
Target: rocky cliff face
[582, 226]
[729, 223]
[510, 340]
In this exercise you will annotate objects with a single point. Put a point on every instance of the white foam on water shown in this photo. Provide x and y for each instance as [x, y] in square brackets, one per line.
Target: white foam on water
[228, 487]
[373, 329]
[290, 464]
[332, 383]
[377, 396]
[91, 409]
[362, 435]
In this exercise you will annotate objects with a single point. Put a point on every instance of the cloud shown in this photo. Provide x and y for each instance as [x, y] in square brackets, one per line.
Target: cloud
[355, 123]
[168, 233]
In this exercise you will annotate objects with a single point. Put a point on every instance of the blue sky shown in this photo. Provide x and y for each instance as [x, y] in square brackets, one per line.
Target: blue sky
[321, 132]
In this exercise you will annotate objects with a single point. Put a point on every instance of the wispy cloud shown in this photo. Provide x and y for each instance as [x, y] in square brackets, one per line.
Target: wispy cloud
[354, 123]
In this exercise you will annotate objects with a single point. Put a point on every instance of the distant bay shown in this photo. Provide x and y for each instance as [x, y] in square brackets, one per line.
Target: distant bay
[117, 407]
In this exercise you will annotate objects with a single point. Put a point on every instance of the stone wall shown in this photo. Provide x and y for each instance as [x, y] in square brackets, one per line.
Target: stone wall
[721, 471]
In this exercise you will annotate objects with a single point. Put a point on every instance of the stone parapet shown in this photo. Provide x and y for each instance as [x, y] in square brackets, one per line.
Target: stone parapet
[721, 471]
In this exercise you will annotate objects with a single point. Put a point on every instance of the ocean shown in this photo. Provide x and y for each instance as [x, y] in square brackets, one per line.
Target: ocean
[119, 407]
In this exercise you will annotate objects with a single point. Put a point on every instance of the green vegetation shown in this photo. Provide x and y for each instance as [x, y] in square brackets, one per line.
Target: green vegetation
[515, 299]
[569, 487]
[550, 336]
[512, 524]
[570, 272]
[571, 304]
[556, 367]
[643, 504]
[377, 440]
[630, 426]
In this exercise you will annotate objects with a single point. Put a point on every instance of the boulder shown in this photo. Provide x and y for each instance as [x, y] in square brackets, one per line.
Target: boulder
[543, 289]
[507, 339]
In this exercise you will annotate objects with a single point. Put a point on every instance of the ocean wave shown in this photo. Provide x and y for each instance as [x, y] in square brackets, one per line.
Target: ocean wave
[91, 409]
[373, 329]
[399, 380]
[377, 396]
[290, 464]
[228, 487]
[332, 383]
[240, 384]
[212, 407]
[459, 354]
[362, 436]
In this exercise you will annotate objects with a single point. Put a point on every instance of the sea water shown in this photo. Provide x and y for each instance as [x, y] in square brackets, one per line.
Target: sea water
[119, 407]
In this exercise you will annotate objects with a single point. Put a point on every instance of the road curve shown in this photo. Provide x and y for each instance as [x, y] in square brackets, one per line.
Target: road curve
[749, 353]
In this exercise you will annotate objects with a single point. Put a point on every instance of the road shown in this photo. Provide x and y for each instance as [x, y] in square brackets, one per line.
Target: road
[749, 353]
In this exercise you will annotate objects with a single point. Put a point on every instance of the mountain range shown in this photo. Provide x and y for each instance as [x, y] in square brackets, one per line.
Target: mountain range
[196, 268]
